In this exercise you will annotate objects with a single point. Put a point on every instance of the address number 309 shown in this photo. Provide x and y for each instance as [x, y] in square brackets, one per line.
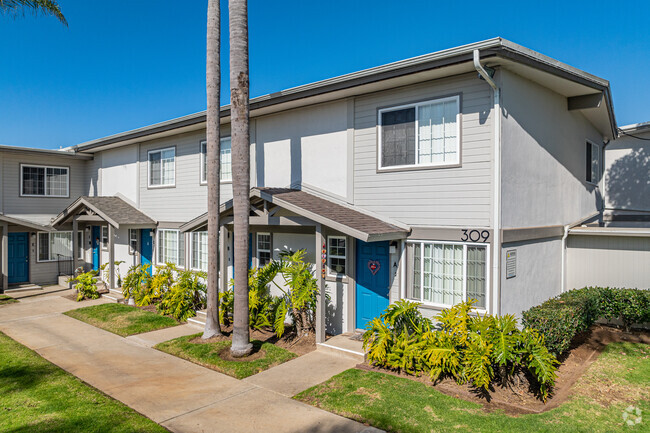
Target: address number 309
[475, 235]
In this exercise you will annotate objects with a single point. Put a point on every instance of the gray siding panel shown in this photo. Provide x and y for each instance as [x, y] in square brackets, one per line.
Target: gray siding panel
[188, 198]
[544, 157]
[614, 261]
[39, 209]
[456, 196]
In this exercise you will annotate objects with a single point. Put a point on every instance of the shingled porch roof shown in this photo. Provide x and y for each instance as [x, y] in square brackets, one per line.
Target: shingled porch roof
[113, 210]
[348, 219]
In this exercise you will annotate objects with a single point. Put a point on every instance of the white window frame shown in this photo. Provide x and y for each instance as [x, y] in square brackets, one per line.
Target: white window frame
[330, 256]
[104, 237]
[49, 252]
[80, 248]
[162, 185]
[44, 167]
[204, 175]
[416, 105]
[591, 166]
[178, 244]
[465, 245]
[257, 246]
[191, 265]
[133, 251]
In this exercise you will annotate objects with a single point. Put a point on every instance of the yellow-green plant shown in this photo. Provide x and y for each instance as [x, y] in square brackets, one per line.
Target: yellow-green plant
[161, 282]
[186, 296]
[136, 282]
[464, 345]
[86, 285]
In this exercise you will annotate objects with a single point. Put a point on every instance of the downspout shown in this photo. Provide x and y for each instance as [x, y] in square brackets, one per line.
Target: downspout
[496, 275]
[564, 236]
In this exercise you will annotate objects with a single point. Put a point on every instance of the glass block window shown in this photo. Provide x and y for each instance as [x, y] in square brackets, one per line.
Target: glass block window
[444, 274]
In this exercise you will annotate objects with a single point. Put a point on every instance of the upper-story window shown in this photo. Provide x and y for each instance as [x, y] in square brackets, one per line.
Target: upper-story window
[593, 162]
[226, 161]
[426, 134]
[45, 181]
[162, 167]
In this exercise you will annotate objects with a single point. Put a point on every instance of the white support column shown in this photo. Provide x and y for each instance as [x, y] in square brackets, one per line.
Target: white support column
[5, 257]
[75, 246]
[223, 259]
[321, 305]
[111, 256]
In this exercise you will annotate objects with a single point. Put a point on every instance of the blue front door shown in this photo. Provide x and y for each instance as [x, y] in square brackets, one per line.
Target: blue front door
[96, 233]
[146, 248]
[372, 281]
[18, 258]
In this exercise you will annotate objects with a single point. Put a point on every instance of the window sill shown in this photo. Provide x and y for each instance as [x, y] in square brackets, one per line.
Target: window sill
[416, 167]
[161, 186]
[337, 279]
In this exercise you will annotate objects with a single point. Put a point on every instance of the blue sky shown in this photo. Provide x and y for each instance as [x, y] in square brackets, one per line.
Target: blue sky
[129, 63]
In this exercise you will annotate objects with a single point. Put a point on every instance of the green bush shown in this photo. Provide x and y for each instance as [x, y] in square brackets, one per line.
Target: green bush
[185, 297]
[86, 285]
[469, 348]
[136, 282]
[561, 318]
[161, 282]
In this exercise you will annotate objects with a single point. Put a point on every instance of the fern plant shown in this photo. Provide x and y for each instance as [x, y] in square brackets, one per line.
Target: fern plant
[86, 285]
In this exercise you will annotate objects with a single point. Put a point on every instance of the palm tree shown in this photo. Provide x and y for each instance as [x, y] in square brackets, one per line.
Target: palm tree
[19, 7]
[238, 9]
[213, 157]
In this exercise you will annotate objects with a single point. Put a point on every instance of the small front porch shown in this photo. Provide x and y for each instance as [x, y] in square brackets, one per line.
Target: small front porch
[107, 231]
[355, 254]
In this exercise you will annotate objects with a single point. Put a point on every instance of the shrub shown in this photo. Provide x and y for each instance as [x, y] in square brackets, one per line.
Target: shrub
[86, 285]
[187, 295]
[161, 282]
[136, 282]
[468, 348]
[561, 318]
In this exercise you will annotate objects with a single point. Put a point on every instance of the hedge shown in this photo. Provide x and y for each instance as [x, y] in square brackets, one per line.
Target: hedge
[561, 318]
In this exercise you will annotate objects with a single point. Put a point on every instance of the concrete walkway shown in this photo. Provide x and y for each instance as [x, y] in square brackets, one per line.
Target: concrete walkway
[177, 394]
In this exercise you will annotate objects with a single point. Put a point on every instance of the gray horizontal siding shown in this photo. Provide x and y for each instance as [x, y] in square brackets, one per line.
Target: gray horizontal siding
[188, 198]
[39, 209]
[429, 197]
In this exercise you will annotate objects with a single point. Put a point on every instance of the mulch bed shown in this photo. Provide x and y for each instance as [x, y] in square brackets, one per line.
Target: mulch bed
[517, 399]
[289, 341]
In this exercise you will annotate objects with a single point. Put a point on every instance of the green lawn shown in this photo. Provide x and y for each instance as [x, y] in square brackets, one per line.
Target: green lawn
[121, 319]
[4, 300]
[618, 379]
[37, 396]
[207, 355]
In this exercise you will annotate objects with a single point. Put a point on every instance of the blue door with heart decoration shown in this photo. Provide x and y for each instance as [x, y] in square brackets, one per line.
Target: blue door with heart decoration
[18, 258]
[146, 249]
[372, 281]
[95, 244]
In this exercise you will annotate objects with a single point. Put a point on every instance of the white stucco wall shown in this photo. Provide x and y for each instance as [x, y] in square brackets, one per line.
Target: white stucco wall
[120, 173]
[627, 173]
[308, 145]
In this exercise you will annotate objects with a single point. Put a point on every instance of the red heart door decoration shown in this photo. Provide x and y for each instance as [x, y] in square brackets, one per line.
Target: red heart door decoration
[374, 266]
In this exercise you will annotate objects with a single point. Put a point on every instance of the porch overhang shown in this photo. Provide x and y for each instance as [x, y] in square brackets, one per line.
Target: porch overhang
[113, 210]
[11, 220]
[301, 208]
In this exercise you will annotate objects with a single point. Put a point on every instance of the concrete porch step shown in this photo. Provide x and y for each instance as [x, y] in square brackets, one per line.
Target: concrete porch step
[22, 288]
[344, 345]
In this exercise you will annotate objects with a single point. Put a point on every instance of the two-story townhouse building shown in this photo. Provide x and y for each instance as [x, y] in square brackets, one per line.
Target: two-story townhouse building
[440, 178]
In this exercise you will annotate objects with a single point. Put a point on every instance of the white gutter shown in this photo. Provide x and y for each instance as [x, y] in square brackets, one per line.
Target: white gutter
[496, 274]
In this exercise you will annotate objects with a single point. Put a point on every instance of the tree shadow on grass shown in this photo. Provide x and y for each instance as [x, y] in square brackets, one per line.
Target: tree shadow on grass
[20, 378]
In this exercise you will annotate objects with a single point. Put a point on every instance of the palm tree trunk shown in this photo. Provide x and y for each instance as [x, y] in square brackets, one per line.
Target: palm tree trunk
[213, 157]
[238, 10]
